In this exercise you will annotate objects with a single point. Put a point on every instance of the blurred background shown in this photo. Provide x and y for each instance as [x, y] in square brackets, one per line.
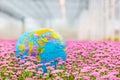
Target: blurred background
[73, 19]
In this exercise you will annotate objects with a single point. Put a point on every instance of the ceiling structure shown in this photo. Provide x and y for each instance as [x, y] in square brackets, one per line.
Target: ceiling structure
[43, 9]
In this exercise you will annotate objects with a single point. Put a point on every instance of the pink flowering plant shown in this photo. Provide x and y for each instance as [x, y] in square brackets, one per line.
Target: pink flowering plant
[86, 60]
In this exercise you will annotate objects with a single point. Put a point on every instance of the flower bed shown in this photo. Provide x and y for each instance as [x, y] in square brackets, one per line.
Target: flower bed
[86, 60]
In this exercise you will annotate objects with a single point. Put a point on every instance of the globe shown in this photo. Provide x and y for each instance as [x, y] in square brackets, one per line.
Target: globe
[45, 45]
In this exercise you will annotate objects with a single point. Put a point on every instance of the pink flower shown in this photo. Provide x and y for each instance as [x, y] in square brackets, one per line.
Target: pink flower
[104, 70]
[7, 79]
[14, 76]
[6, 74]
[45, 75]
[75, 73]
[87, 77]
[39, 72]
[29, 79]
[18, 73]
[56, 71]
[34, 66]
[86, 69]
[97, 74]
[0, 78]
[47, 64]
[27, 64]
[21, 62]
[57, 78]
[50, 68]
[40, 65]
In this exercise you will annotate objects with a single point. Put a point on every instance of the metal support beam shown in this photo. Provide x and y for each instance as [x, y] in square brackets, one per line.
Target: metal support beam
[19, 8]
[16, 16]
[23, 25]
[47, 9]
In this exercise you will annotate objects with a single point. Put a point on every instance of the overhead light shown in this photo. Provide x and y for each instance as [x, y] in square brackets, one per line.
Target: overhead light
[62, 2]
[63, 9]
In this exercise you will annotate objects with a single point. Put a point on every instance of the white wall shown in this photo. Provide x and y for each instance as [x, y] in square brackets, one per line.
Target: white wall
[9, 27]
[95, 24]
[12, 29]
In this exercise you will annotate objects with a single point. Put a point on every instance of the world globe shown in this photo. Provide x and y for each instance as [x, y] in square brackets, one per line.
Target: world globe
[45, 44]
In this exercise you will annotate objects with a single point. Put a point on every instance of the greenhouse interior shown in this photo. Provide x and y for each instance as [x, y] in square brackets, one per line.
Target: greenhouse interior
[59, 39]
